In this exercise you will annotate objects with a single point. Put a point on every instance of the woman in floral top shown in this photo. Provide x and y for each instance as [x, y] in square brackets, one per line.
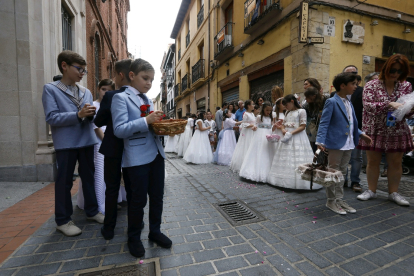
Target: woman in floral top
[389, 136]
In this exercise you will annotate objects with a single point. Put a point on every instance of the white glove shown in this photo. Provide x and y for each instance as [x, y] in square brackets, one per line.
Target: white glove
[286, 138]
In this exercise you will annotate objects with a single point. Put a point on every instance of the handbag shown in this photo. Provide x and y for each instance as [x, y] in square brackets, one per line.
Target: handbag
[318, 171]
[272, 138]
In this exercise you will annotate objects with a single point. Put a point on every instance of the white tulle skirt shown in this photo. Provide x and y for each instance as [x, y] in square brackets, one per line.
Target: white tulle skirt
[171, 142]
[258, 159]
[184, 141]
[245, 139]
[287, 158]
[199, 150]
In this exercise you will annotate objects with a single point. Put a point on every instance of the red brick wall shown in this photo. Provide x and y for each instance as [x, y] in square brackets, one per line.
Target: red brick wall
[108, 21]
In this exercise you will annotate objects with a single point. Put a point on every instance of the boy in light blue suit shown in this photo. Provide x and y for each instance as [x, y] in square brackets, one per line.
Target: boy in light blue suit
[338, 132]
[69, 112]
[143, 157]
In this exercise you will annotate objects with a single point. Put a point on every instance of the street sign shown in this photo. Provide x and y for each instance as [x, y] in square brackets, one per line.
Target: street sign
[316, 40]
[303, 23]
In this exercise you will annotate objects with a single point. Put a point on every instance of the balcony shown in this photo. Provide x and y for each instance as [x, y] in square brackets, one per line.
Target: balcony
[200, 17]
[179, 54]
[177, 90]
[185, 84]
[267, 10]
[224, 41]
[187, 39]
[198, 72]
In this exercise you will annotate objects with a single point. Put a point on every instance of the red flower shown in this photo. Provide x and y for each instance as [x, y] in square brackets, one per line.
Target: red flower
[143, 114]
[147, 105]
[151, 112]
[143, 108]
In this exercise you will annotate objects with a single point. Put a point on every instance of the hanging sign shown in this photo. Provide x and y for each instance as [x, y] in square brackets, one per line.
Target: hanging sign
[249, 6]
[220, 36]
[316, 40]
[303, 23]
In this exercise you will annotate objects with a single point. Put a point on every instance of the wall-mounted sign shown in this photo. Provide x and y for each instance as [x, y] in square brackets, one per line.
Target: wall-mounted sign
[329, 30]
[353, 32]
[366, 59]
[317, 40]
[303, 22]
[392, 46]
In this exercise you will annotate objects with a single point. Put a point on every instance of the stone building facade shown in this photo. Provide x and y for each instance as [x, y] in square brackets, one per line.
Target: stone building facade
[106, 38]
[251, 46]
[32, 34]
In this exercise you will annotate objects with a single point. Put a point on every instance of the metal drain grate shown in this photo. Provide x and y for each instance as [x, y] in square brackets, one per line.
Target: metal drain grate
[238, 213]
[131, 270]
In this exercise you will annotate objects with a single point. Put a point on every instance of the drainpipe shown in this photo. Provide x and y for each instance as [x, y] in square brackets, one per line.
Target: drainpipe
[208, 60]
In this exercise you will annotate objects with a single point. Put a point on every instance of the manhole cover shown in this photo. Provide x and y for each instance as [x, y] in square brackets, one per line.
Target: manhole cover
[238, 213]
[405, 188]
[131, 270]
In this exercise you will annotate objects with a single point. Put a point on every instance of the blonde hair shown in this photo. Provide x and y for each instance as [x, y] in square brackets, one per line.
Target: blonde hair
[277, 92]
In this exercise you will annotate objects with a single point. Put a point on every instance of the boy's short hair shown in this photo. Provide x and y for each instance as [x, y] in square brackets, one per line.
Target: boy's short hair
[139, 65]
[70, 58]
[224, 105]
[122, 66]
[106, 82]
[343, 78]
[218, 108]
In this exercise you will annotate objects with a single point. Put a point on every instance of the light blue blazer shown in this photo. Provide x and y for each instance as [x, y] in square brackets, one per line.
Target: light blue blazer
[141, 145]
[334, 125]
[68, 131]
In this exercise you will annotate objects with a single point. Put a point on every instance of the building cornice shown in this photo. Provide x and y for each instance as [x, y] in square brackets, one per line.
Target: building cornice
[180, 18]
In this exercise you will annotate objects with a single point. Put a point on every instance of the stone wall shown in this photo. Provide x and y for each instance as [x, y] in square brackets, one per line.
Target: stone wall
[30, 40]
[310, 61]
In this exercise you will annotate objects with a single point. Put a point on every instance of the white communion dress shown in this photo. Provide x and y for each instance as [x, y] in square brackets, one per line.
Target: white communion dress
[199, 150]
[171, 142]
[227, 143]
[245, 139]
[290, 155]
[258, 159]
[185, 137]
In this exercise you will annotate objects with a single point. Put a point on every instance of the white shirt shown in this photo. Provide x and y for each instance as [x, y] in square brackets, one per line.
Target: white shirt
[141, 100]
[349, 144]
[211, 124]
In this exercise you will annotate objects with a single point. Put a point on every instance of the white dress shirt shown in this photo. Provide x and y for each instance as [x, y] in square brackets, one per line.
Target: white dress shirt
[141, 100]
[349, 145]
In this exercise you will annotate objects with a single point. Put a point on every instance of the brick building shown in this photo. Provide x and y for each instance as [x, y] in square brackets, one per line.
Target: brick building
[106, 38]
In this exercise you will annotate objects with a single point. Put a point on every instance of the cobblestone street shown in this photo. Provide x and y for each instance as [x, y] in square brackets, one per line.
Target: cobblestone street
[299, 235]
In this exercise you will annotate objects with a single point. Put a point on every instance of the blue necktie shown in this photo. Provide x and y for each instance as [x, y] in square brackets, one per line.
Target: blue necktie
[144, 97]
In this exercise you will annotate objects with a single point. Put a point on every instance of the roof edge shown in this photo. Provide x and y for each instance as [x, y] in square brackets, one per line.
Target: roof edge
[180, 17]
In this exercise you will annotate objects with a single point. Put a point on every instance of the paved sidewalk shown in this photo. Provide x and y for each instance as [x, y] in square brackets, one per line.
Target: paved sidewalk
[299, 236]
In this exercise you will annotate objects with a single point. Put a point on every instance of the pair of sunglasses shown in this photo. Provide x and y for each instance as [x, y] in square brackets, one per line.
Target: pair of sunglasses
[398, 71]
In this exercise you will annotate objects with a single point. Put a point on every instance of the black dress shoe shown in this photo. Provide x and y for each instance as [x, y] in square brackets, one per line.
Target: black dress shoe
[161, 239]
[356, 187]
[107, 234]
[136, 248]
[142, 225]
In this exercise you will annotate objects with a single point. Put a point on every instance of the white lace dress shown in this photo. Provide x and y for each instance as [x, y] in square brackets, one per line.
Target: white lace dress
[290, 155]
[185, 137]
[258, 159]
[245, 139]
[227, 144]
[199, 150]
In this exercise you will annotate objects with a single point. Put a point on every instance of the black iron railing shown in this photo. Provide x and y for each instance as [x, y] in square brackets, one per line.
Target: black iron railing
[224, 38]
[187, 39]
[177, 90]
[200, 16]
[185, 84]
[198, 70]
[253, 13]
[179, 54]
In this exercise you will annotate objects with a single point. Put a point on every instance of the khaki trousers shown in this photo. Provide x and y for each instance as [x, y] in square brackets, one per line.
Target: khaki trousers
[338, 160]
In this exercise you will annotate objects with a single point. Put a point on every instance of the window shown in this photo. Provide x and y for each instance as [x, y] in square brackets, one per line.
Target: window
[66, 30]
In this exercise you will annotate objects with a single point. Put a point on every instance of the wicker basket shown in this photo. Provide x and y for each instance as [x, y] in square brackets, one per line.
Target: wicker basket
[169, 127]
